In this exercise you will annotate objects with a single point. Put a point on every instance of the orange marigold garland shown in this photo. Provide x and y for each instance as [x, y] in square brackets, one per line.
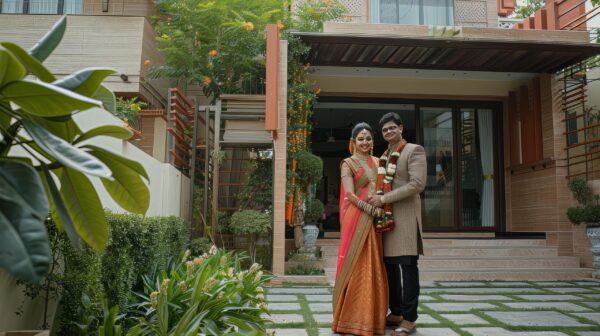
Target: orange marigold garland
[385, 176]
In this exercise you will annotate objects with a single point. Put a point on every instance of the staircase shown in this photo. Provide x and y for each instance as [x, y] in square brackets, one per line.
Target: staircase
[454, 259]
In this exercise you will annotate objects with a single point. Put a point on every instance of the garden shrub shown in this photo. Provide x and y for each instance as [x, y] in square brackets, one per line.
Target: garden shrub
[314, 211]
[251, 224]
[137, 245]
[305, 270]
[310, 167]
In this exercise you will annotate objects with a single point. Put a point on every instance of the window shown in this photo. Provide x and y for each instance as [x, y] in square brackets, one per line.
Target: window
[418, 12]
[41, 6]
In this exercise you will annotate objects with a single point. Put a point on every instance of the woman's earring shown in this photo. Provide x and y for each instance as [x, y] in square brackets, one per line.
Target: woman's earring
[351, 147]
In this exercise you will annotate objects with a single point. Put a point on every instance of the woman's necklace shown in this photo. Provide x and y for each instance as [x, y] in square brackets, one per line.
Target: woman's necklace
[363, 160]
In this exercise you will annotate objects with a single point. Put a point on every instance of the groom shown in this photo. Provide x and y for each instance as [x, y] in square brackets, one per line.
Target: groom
[403, 245]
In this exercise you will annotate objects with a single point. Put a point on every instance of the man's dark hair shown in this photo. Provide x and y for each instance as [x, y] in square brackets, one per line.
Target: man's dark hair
[390, 116]
[359, 128]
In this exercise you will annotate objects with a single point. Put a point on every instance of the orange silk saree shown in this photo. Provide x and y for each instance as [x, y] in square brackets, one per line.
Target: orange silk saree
[360, 295]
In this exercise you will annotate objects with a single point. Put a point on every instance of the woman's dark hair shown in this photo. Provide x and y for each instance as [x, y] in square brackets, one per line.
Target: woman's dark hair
[359, 127]
[390, 116]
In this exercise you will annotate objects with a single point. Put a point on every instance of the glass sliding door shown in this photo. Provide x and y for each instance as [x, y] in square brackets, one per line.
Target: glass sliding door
[477, 167]
[438, 139]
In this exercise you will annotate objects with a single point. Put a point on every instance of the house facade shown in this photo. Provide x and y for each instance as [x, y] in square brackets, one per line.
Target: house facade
[485, 102]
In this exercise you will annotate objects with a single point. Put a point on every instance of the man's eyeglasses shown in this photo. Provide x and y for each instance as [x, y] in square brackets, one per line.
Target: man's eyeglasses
[388, 129]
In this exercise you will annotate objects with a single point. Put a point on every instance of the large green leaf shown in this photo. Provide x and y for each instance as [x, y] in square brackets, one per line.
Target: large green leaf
[126, 187]
[108, 130]
[10, 69]
[107, 97]
[24, 247]
[50, 41]
[131, 164]
[58, 206]
[64, 152]
[31, 64]
[44, 99]
[85, 82]
[84, 207]
[65, 129]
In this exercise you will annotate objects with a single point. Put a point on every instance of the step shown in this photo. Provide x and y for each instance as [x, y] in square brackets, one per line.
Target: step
[492, 251]
[331, 234]
[328, 242]
[432, 262]
[303, 279]
[533, 274]
[482, 242]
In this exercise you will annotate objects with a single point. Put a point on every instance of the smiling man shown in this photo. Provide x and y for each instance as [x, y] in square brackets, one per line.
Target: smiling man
[406, 169]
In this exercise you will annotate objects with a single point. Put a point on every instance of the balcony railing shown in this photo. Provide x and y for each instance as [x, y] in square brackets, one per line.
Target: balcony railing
[506, 23]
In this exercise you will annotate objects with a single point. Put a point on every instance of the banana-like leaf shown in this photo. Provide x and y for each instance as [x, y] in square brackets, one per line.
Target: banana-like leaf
[126, 187]
[65, 153]
[131, 164]
[24, 247]
[108, 130]
[32, 65]
[11, 69]
[60, 208]
[85, 82]
[107, 97]
[44, 99]
[85, 208]
[65, 129]
[50, 41]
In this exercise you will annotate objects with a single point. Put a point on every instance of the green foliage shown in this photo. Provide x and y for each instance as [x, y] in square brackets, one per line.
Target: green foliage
[224, 222]
[137, 245]
[529, 8]
[37, 117]
[129, 110]
[312, 14]
[210, 294]
[215, 44]
[313, 211]
[252, 224]
[257, 190]
[588, 210]
[304, 270]
[310, 168]
[199, 246]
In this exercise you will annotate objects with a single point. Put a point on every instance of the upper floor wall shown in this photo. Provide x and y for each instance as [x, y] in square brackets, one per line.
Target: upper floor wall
[143, 8]
[466, 13]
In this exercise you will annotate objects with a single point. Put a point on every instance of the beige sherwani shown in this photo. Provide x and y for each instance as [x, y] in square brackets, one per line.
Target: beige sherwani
[409, 181]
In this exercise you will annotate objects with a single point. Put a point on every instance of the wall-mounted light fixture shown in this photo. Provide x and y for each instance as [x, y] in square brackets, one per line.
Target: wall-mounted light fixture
[124, 78]
[105, 6]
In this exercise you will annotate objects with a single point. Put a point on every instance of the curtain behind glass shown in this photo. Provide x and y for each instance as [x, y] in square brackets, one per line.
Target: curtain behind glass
[43, 6]
[436, 12]
[12, 6]
[484, 121]
[73, 7]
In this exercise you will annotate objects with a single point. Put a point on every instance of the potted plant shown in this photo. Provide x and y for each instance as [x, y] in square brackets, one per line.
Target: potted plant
[314, 210]
[588, 212]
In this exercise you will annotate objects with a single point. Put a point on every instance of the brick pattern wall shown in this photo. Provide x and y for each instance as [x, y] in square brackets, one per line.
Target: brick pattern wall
[537, 197]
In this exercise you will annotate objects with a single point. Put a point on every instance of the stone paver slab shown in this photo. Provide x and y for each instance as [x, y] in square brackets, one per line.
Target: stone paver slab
[434, 332]
[326, 332]
[284, 306]
[291, 332]
[562, 306]
[320, 307]
[479, 290]
[323, 318]
[299, 290]
[426, 298]
[452, 297]
[458, 306]
[535, 318]
[592, 296]
[595, 304]
[318, 298]
[503, 332]
[426, 318]
[461, 284]
[590, 316]
[569, 290]
[589, 333]
[587, 283]
[509, 284]
[462, 319]
[549, 297]
[286, 318]
[281, 298]
[552, 284]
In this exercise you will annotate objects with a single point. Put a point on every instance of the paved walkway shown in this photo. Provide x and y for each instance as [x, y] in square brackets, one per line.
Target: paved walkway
[474, 308]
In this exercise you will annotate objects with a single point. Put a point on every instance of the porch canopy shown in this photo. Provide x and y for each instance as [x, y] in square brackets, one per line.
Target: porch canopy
[473, 49]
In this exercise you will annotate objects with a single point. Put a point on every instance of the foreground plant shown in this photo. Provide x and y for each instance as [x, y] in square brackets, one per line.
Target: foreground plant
[41, 143]
[210, 294]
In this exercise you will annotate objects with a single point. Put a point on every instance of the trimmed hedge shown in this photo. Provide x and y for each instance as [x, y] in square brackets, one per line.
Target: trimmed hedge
[137, 245]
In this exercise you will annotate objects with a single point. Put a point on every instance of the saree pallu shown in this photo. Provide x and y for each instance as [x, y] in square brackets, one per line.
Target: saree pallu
[360, 295]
